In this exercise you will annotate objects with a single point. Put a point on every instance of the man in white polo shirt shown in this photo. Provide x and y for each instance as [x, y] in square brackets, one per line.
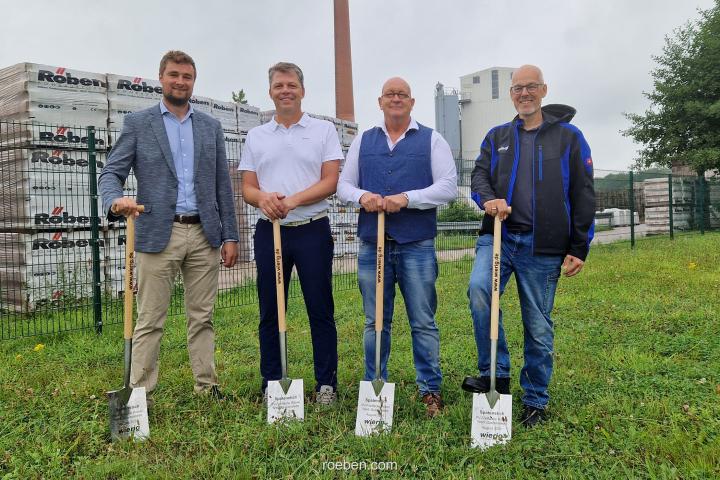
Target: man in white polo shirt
[290, 166]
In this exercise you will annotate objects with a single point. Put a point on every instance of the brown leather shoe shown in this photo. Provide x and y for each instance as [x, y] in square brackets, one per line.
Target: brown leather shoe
[433, 404]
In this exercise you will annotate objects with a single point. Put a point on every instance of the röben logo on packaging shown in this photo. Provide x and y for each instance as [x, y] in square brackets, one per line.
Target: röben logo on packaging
[138, 85]
[63, 77]
[57, 242]
[54, 218]
[65, 136]
[57, 157]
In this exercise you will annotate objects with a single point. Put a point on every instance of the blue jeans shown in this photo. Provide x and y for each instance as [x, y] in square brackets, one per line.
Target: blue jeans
[536, 277]
[413, 266]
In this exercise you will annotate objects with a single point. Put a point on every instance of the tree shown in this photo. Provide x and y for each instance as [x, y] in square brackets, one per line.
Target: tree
[682, 124]
[239, 97]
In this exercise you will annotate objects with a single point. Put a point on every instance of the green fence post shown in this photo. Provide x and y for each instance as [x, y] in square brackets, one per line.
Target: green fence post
[670, 203]
[95, 231]
[701, 188]
[632, 210]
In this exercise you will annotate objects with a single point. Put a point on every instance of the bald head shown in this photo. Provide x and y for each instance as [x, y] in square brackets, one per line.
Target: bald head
[528, 72]
[396, 102]
[527, 92]
[396, 84]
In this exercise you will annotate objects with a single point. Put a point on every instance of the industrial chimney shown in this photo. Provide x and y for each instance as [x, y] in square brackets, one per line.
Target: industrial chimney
[344, 104]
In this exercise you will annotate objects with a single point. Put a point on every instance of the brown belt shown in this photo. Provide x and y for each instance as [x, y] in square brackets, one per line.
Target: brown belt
[187, 219]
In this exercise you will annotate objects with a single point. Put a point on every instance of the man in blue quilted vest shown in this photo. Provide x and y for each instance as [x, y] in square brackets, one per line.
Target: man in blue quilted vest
[406, 170]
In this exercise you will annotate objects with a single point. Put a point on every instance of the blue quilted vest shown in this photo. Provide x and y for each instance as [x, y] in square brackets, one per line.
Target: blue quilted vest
[406, 167]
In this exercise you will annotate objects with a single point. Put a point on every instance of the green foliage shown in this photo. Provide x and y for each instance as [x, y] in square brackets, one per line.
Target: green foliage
[635, 393]
[459, 211]
[239, 97]
[682, 123]
[620, 180]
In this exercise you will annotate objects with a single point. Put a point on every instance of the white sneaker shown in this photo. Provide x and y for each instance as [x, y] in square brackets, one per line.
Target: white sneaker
[326, 396]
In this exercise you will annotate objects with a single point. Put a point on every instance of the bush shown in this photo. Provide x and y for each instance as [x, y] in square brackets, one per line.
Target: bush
[459, 211]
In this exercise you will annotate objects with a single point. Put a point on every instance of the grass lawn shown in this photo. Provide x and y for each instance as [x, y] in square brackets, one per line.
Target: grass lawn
[454, 241]
[635, 394]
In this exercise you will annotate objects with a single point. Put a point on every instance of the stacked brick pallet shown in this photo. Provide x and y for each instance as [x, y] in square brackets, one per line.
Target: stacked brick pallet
[45, 206]
[45, 209]
[657, 204]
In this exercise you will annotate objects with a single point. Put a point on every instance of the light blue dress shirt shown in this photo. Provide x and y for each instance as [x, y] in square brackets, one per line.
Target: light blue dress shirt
[180, 136]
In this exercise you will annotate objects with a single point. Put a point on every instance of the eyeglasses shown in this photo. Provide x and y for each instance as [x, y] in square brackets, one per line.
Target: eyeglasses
[391, 95]
[531, 88]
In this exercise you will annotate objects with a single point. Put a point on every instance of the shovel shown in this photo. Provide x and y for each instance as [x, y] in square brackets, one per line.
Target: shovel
[285, 396]
[492, 412]
[128, 406]
[376, 398]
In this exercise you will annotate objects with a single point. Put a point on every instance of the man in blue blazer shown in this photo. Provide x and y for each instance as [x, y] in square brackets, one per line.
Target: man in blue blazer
[188, 225]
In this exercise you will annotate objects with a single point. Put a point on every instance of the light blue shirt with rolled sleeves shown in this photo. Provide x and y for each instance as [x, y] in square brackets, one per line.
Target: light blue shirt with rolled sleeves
[180, 136]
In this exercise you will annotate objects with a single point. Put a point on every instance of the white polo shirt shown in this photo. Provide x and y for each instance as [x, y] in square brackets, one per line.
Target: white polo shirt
[289, 160]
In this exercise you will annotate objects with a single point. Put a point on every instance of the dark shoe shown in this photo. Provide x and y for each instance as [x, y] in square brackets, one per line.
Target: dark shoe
[531, 416]
[433, 404]
[482, 385]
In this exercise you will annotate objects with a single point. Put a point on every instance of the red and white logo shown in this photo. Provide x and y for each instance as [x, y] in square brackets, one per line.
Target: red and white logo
[60, 71]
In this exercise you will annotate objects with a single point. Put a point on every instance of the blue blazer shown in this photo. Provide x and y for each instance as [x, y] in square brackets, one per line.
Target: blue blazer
[143, 146]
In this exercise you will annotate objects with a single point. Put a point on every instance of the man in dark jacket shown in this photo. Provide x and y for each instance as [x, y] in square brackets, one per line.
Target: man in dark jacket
[541, 166]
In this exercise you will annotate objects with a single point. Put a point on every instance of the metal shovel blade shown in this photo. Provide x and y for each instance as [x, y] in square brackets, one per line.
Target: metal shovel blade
[492, 397]
[121, 397]
[285, 384]
[374, 409]
[128, 414]
[285, 405]
[378, 385]
[491, 425]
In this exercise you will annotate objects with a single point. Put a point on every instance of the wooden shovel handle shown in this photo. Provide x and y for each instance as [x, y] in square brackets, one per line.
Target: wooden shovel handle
[495, 301]
[279, 279]
[380, 272]
[129, 274]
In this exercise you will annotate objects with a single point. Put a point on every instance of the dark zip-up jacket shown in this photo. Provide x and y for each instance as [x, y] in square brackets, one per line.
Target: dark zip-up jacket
[563, 196]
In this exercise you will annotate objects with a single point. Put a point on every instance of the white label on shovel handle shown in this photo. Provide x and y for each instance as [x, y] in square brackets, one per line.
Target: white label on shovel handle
[132, 419]
[491, 426]
[285, 406]
[374, 412]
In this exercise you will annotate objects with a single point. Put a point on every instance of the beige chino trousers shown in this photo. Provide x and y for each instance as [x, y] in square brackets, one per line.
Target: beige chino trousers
[190, 253]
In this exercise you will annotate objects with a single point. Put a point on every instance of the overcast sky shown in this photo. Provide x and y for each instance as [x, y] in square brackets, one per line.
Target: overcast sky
[596, 56]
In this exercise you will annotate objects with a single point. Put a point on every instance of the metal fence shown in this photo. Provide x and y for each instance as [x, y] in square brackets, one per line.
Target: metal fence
[635, 204]
[62, 262]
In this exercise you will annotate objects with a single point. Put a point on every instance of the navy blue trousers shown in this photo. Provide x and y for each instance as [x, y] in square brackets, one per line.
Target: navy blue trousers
[309, 248]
